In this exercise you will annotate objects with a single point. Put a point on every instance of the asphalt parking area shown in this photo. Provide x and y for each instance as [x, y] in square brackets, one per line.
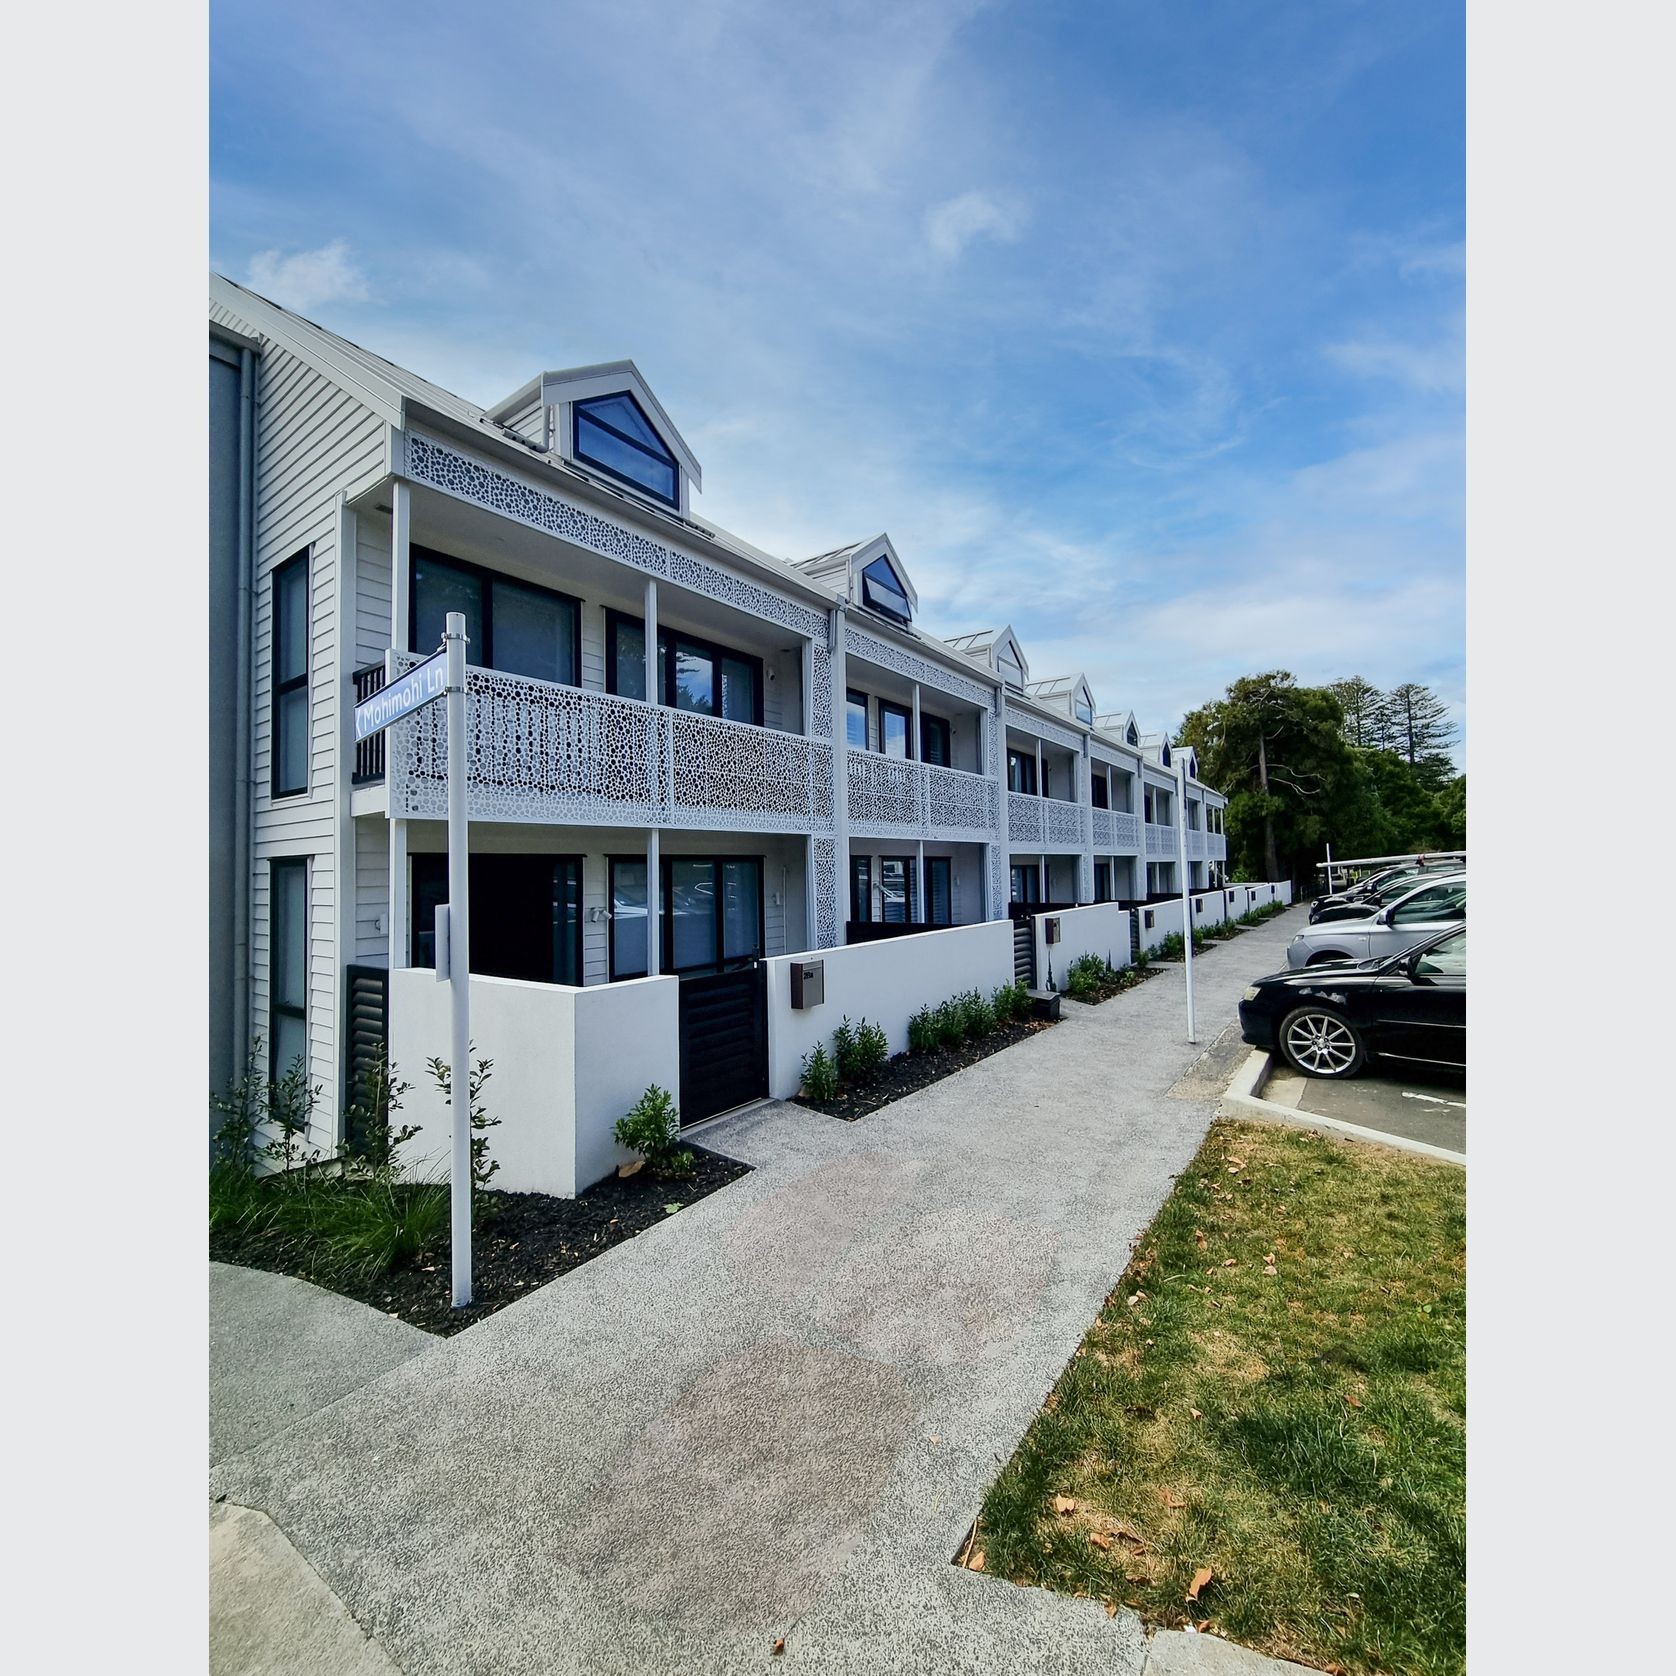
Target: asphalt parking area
[1415, 1102]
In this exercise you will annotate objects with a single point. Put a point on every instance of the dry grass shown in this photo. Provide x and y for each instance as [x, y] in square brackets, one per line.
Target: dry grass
[1301, 1433]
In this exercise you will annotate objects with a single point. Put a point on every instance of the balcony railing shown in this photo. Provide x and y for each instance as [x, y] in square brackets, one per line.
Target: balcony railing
[1046, 821]
[1160, 840]
[889, 795]
[369, 753]
[1115, 830]
[536, 751]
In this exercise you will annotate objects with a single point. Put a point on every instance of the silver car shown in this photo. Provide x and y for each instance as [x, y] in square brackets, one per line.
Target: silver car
[1427, 909]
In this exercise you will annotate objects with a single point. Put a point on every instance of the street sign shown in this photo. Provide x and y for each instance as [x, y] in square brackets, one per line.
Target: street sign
[402, 696]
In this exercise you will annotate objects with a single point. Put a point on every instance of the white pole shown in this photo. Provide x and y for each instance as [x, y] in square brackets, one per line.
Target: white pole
[1329, 869]
[459, 961]
[1186, 894]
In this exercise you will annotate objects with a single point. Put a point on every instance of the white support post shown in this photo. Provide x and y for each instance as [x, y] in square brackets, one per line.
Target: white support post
[919, 881]
[400, 637]
[1186, 894]
[840, 770]
[654, 903]
[459, 963]
[343, 838]
[652, 640]
[915, 751]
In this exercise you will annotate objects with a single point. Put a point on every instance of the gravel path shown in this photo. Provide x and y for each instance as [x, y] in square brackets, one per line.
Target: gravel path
[776, 1414]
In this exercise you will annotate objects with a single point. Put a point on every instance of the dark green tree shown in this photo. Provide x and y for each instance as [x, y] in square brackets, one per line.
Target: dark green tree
[1420, 726]
[1367, 722]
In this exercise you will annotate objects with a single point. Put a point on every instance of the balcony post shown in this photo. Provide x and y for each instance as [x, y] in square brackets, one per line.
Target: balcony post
[1000, 877]
[840, 768]
[1085, 823]
[400, 635]
[654, 904]
[916, 753]
[651, 637]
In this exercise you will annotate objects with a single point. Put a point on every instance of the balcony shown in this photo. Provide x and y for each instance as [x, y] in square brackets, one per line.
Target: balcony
[544, 753]
[1161, 841]
[1043, 822]
[1116, 832]
[891, 796]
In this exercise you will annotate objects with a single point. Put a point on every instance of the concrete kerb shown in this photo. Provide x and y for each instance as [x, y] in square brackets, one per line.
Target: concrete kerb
[1244, 1095]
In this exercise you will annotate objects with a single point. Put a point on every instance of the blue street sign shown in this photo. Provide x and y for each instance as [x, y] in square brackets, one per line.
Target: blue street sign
[407, 693]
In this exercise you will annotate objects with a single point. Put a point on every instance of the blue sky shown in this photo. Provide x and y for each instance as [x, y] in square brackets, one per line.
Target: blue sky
[1137, 324]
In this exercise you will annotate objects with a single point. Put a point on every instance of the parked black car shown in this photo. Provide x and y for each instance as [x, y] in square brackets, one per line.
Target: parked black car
[1330, 1020]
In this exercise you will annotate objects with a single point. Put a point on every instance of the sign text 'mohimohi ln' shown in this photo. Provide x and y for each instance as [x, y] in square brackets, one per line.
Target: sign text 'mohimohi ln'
[402, 696]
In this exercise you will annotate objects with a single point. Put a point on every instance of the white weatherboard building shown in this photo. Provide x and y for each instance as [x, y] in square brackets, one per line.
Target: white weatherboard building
[689, 759]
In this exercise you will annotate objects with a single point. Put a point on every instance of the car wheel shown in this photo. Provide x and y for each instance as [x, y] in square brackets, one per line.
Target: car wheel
[1321, 1043]
[1327, 957]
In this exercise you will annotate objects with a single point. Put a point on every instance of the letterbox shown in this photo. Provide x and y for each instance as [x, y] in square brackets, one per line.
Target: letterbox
[808, 984]
[1052, 924]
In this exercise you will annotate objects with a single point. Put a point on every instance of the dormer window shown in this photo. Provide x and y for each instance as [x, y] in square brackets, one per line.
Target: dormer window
[1132, 734]
[612, 434]
[1084, 710]
[1010, 669]
[881, 589]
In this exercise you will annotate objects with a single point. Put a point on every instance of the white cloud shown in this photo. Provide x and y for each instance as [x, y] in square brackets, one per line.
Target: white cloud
[953, 224]
[308, 278]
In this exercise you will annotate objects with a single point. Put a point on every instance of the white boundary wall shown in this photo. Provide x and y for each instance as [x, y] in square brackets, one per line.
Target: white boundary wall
[885, 982]
[1166, 917]
[567, 1064]
[1208, 908]
[1102, 929]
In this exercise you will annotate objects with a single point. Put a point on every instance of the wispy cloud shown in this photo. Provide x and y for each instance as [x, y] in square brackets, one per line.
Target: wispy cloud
[307, 279]
[951, 226]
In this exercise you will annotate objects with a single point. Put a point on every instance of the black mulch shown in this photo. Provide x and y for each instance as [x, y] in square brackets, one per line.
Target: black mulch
[910, 1071]
[1107, 990]
[532, 1238]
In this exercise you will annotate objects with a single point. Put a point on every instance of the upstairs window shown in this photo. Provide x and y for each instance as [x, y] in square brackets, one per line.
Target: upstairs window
[1021, 772]
[895, 728]
[705, 678]
[511, 626]
[1097, 790]
[289, 744]
[1010, 669]
[1132, 734]
[855, 720]
[613, 434]
[883, 592]
[1083, 709]
[934, 740]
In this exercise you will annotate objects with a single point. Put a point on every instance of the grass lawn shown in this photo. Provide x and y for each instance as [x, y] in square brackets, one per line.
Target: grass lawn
[1275, 1392]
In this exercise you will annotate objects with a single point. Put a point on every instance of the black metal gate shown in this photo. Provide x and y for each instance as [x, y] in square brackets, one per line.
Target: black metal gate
[1024, 952]
[724, 1041]
[367, 1018]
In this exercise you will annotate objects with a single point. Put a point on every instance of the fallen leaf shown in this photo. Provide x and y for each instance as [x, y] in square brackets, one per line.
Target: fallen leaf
[1064, 1504]
[1230, 1262]
[670, 1210]
[1111, 1608]
[1269, 1268]
[1127, 1535]
[779, 1646]
[1098, 1540]
[1269, 1258]
[1195, 1413]
[1200, 1577]
[1135, 1298]
[1171, 1499]
[976, 1561]
[1199, 1239]
[631, 1167]
[1236, 1163]
[1354, 1401]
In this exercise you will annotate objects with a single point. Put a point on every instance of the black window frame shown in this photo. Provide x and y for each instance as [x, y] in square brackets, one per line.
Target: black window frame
[282, 574]
[668, 636]
[889, 707]
[1022, 760]
[861, 888]
[1103, 881]
[612, 863]
[853, 695]
[666, 926]
[580, 410]
[486, 579]
[932, 864]
[1099, 790]
[910, 907]
[297, 864]
[430, 859]
[870, 583]
[938, 725]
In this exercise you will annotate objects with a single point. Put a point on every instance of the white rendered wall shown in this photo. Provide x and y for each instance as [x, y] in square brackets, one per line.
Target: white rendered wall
[1102, 929]
[567, 1063]
[1166, 917]
[885, 982]
[1207, 909]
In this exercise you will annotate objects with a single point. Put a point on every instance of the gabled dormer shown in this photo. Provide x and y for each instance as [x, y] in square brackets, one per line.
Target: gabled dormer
[606, 421]
[1070, 693]
[999, 650]
[1157, 747]
[871, 575]
[1192, 759]
[1121, 725]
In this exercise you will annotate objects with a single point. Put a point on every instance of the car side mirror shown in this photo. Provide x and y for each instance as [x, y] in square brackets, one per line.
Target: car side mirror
[1383, 917]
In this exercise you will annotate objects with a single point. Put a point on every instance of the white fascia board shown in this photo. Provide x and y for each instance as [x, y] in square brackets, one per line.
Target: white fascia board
[881, 547]
[580, 384]
[521, 397]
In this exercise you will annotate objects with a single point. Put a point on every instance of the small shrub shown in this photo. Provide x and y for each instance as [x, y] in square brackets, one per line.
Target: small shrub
[367, 1228]
[1142, 960]
[820, 1076]
[843, 1050]
[483, 1167]
[652, 1128]
[374, 1140]
[1087, 975]
[677, 1165]
[1018, 993]
[872, 1050]
[1001, 1004]
[922, 1031]
[980, 1016]
[951, 1024]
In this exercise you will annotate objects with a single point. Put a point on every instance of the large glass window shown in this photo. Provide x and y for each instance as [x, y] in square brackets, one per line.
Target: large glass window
[289, 745]
[939, 890]
[1021, 771]
[1447, 959]
[612, 432]
[741, 701]
[1025, 882]
[1011, 670]
[628, 657]
[628, 918]
[707, 679]
[287, 964]
[1084, 711]
[526, 915]
[881, 589]
[895, 725]
[855, 720]
[896, 889]
[861, 887]
[712, 911]
[934, 740]
[1102, 881]
[695, 677]
[1097, 789]
[511, 626]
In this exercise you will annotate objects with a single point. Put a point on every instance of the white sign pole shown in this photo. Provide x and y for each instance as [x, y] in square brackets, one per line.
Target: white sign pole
[459, 961]
[1329, 869]
[1186, 894]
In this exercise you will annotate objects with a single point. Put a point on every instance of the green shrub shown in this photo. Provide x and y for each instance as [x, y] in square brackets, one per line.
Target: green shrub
[980, 1016]
[373, 1140]
[922, 1031]
[872, 1050]
[367, 1228]
[483, 1167]
[1018, 999]
[1001, 1004]
[652, 1128]
[1087, 975]
[1172, 947]
[1143, 959]
[951, 1024]
[843, 1050]
[820, 1075]
[677, 1164]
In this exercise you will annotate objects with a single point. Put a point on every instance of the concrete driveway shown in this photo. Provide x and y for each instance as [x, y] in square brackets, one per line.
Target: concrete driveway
[1412, 1102]
[776, 1414]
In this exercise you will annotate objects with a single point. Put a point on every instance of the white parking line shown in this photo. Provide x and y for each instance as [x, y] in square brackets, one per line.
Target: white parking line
[1459, 1105]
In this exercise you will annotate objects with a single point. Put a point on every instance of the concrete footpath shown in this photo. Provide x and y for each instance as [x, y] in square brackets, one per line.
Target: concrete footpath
[776, 1414]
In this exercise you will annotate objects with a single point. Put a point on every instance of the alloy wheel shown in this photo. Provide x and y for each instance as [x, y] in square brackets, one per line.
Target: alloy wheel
[1321, 1043]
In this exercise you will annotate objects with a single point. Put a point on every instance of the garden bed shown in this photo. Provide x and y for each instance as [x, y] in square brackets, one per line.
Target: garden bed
[530, 1239]
[1109, 987]
[908, 1072]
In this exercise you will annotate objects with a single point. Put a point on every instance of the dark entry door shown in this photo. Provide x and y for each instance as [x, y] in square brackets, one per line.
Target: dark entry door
[724, 1041]
[526, 915]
